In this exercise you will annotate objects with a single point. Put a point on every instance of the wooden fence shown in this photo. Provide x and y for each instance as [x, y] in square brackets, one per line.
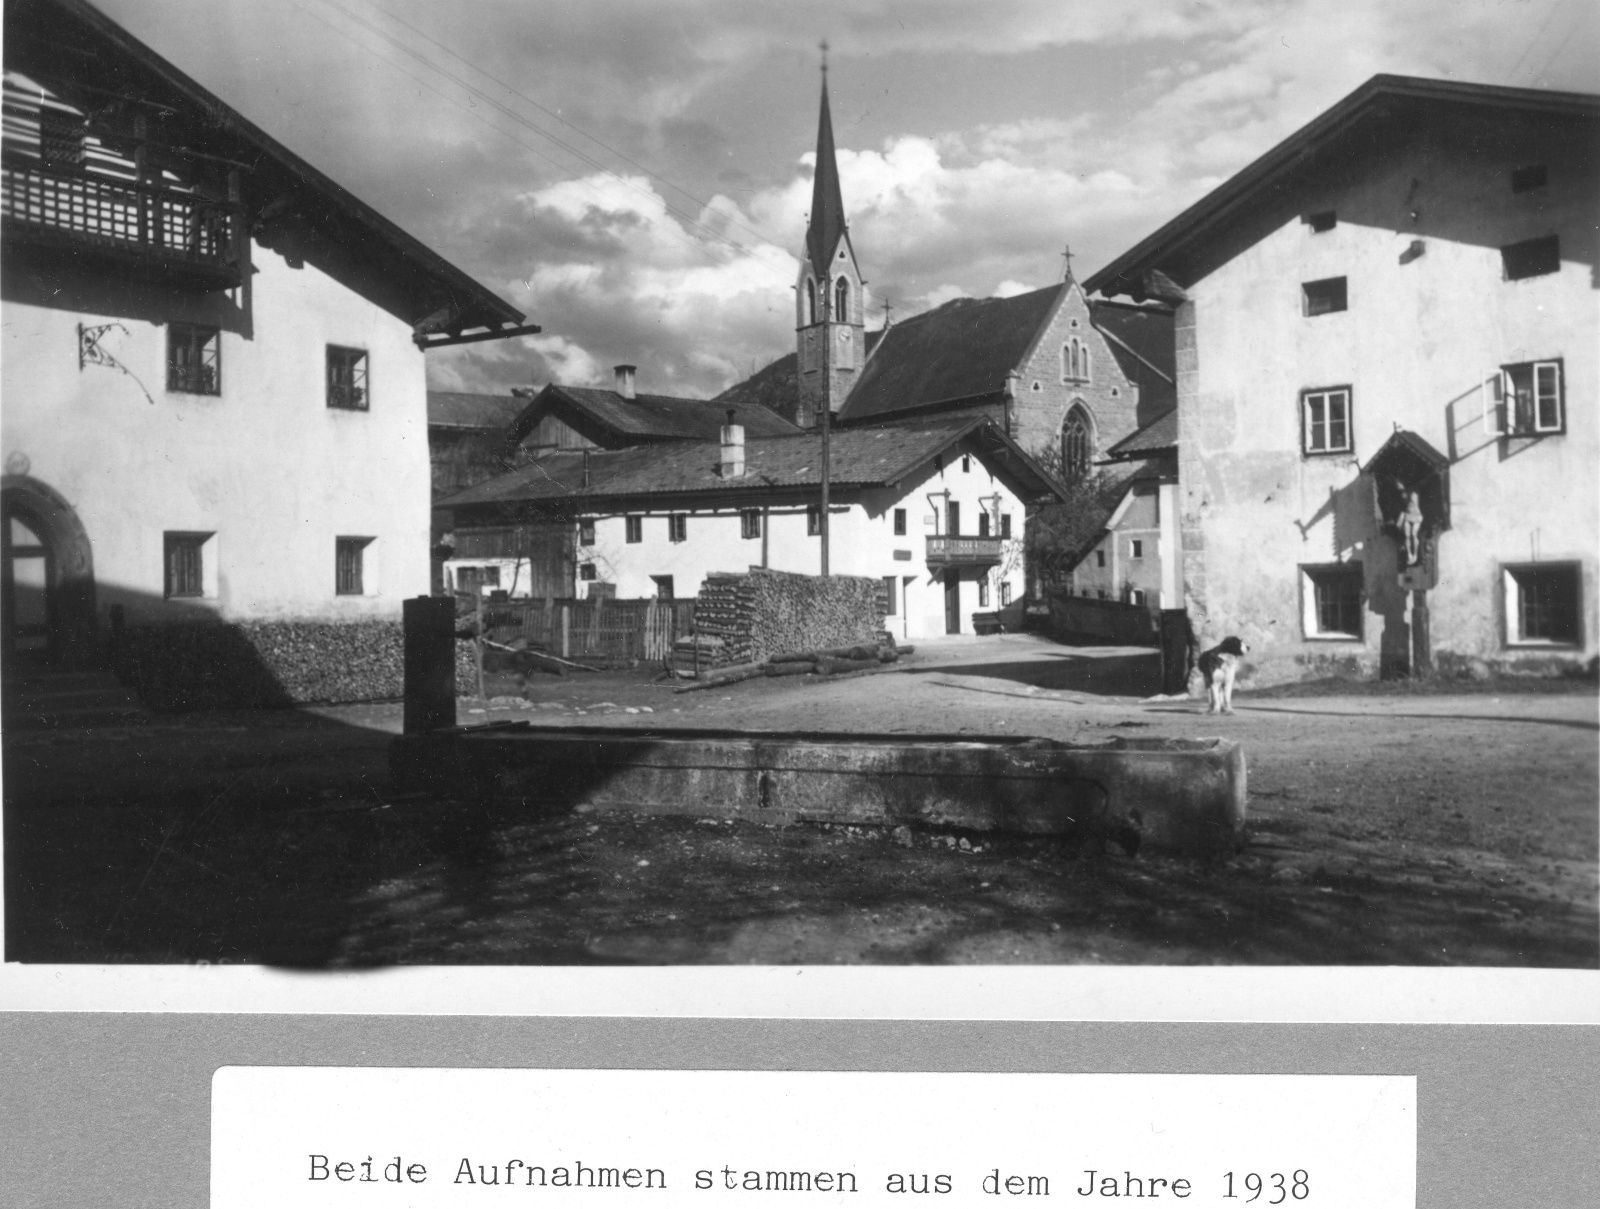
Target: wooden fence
[593, 631]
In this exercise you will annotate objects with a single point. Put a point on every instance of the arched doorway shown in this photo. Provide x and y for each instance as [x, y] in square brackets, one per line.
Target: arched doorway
[47, 593]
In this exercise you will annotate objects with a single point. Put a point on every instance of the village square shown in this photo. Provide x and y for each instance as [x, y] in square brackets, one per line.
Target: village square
[1227, 598]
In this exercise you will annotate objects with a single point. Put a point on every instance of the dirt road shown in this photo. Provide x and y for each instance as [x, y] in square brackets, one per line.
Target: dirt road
[1399, 828]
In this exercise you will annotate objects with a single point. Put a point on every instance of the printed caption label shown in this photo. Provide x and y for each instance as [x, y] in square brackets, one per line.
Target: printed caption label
[369, 1138]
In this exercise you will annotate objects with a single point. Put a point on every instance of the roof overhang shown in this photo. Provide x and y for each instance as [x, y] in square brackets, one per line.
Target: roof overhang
[1157, 265]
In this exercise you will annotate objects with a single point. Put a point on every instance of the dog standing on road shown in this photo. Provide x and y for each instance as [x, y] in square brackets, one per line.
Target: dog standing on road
[1218, 667]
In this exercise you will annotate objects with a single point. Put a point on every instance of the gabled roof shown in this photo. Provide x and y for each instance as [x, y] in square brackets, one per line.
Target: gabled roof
[859, 458]
[459, 409]
[648, 417]
[54, 35]
[1160, 436]
[1176, 249]
[962, 350]
[1140, 338]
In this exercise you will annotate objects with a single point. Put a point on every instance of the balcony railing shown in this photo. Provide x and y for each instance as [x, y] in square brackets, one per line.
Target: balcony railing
[177, 237]
[964, 551]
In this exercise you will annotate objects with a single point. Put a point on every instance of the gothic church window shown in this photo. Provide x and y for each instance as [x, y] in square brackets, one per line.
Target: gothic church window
[1074, 361]
[841, 301]
[1077, 444]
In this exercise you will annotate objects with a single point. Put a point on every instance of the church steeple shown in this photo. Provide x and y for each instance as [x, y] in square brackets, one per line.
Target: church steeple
[830, 305]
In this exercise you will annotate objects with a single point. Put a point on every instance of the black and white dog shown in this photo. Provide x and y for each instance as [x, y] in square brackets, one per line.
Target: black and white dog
[1218, 667]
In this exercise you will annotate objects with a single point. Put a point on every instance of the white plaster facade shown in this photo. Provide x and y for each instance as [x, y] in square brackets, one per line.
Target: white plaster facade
[1137, 560]
[266, 467]
[863, 541]
[1414, 224]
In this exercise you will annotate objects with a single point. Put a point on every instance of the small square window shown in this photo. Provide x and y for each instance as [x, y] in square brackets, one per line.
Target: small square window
[1325, 296]
[1543, 604]
[184, 555]
[1332, 600]
[586, 572]
[1531, 258]
[349, 566]
[1532, 393]
[586, 532]
[1525, 180]
[1322, 220]
[1325, 421]
[966, 464]
[899, 522]
[678, 528]
[750, 523]
[347, 378]
[194, 359]
[1005, 525]
[813, 520]
[663, 585]
[1136, 596]
[633, 529]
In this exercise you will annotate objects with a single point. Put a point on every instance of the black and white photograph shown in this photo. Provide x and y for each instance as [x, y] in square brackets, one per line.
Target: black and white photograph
[634, 485]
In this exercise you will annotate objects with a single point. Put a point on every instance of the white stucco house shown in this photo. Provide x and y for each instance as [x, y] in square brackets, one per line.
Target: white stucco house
[1388, 440]
[214, 403]
[933, 508]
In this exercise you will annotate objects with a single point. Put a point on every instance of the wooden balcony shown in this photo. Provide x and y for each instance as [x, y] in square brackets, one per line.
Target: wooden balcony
[177, 238]
[964, 551]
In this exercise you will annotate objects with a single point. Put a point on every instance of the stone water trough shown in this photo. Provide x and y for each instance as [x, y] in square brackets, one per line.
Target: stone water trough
[1184, 796]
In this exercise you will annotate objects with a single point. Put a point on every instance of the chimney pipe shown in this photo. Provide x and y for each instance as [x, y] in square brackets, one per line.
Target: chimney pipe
[732, 463]
[625, 380]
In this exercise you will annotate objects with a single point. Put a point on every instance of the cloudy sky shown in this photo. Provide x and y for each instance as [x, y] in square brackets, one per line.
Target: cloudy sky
[635, 174]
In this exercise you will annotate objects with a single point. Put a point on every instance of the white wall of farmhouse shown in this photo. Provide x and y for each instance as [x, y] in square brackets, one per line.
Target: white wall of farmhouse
[862, 541]
[266, 466]
[1430, 319]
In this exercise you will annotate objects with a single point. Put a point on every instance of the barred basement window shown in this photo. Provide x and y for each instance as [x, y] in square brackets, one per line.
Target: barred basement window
[1543, 604]
[1325, 296]
[678, 527]
[1332, 600]
[750, 523]
[347, 378]
[194, 359]
[349, 569]
[1531, 258]
[184, 556]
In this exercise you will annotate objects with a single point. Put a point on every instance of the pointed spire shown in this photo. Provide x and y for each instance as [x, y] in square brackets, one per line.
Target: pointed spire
[827, 202]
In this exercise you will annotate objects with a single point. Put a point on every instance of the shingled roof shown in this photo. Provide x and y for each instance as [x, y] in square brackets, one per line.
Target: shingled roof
[648, 418]
[881, 456]
[962, 350]
[1160, 436]
[461, 409]
[1140, 338]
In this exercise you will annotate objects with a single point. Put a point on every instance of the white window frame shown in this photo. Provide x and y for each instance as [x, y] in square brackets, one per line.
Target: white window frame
[1326, 393]
[1500, 394]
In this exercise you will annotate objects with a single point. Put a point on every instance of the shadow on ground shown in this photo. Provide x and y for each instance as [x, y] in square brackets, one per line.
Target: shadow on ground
[1109, 675]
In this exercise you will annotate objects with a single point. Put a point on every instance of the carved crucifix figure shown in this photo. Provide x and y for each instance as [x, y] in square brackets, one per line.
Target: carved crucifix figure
[1411, 528]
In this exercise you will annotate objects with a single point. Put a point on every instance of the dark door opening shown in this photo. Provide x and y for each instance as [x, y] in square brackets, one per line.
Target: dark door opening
[952, 602]
[27, 582]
